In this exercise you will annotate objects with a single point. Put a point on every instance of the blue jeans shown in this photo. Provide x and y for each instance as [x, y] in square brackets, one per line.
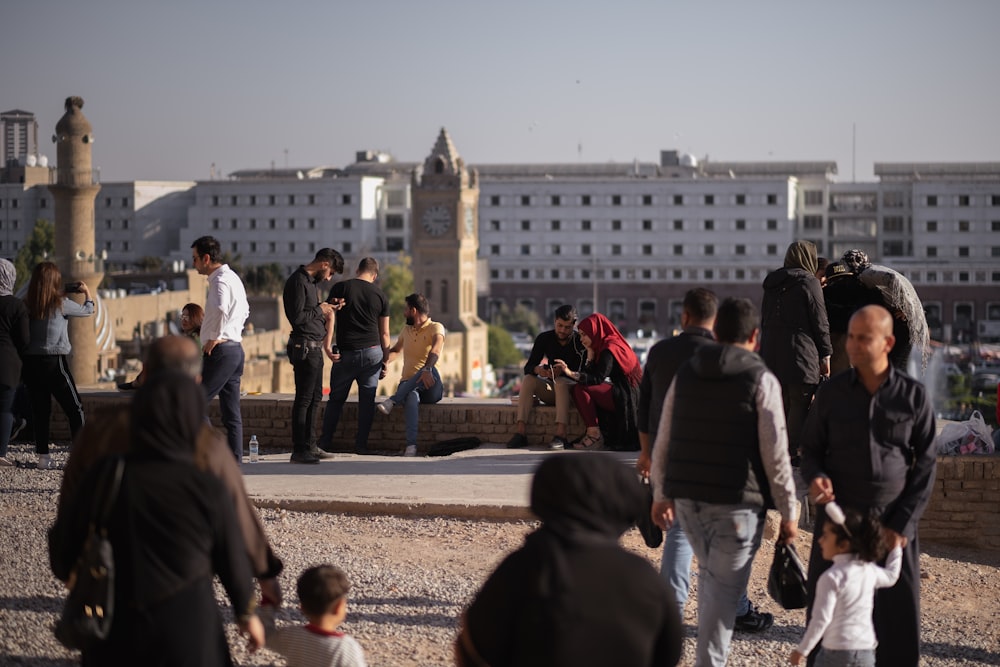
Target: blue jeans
[855, 658]
[675, 568]
[221, 372]
[364, 367]
[412, 393]
[725, 539]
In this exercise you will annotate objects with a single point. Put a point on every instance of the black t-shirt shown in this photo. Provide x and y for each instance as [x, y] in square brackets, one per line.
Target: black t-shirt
[357, 322]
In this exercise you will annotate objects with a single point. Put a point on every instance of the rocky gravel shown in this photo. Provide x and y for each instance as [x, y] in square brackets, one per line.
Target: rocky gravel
[412, 577]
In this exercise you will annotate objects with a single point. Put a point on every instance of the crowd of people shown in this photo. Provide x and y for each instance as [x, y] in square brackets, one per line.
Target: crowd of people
[726, 416]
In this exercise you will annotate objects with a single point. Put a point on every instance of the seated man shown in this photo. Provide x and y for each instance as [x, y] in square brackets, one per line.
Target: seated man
[421, 342]
[544, 382]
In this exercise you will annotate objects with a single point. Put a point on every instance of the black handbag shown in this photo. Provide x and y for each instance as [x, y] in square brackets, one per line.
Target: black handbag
[786, 582]
[89, 610]
[651, 533]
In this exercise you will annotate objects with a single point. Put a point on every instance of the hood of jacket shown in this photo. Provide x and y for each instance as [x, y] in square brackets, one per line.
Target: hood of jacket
[784, 277]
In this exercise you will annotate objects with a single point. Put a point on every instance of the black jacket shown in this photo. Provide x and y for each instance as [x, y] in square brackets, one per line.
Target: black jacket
[662, 363]
[795, 333]
[13, 339]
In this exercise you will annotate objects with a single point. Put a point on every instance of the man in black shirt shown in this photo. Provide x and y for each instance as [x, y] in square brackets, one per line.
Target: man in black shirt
[362, 330]
[539, 381]
[308, 316]
[868, 442]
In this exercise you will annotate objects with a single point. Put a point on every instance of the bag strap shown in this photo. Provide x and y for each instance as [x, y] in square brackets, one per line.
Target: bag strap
[111, 482]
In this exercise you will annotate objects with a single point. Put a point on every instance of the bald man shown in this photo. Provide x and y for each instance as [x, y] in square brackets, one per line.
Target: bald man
[868, 444]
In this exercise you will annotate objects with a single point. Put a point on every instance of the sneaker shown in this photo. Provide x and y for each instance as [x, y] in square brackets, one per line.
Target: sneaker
[44, 462]
[319, 453]
[126, 386]
[5, 462]
[558, 442]
[303, 457]
[517, 441]
[754, 621]
[17, 428]
[590, 443]
[411, 450]
[386, 406]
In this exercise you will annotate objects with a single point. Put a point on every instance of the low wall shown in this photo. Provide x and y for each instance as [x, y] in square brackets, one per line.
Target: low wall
[964, 508]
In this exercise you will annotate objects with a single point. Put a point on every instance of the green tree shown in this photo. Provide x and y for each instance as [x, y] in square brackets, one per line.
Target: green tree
[520, 319]
[396, 280]
[503, 352]
[150, 263]
[41, 244]
[265, 279]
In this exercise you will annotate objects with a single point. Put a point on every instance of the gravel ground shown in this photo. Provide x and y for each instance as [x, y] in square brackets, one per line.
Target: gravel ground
[411, 578]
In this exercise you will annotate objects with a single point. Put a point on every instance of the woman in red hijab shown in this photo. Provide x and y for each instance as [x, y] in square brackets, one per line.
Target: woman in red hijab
[610, 358]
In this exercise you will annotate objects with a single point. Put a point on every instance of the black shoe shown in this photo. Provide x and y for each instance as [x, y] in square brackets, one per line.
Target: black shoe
[363, 451]
[754, 621]
[126, 386]
[303, 457]
[17, 428]
[320, 453]
[517, 441]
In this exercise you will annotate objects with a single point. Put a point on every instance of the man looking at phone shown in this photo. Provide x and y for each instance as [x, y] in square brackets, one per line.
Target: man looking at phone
[550, 385]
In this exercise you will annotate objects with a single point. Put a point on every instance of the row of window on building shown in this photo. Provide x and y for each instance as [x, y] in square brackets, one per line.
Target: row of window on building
[644, 225]
[642, 200]
[272, 200]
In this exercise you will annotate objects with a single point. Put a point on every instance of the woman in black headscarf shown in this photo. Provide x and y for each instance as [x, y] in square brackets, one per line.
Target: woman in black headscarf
[172, 528]
[572, 595]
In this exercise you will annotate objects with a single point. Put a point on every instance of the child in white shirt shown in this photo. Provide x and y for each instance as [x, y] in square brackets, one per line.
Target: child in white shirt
[845, 593]
[323, 599]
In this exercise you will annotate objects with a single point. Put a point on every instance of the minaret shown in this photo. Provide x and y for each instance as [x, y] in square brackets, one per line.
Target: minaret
[74, 194]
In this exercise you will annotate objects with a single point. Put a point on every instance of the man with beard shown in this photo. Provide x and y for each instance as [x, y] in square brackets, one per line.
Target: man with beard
[543, 381]
[308, 315]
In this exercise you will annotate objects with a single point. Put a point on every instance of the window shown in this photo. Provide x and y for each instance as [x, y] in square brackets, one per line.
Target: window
[995, 251]
[107, 224]
[963, 225]
[678, 225]
[932, 225]
[253, 246]
[391, 222]
[312, 223]
[709, 200]
[125, 224]
[616, 273]
[526, 225]
[346, 223]
[394, 244]
[347, 248]
[215, 223]
[893, 223]
[678, 200]
[291, 200]
[647, 225]
[555, 200]
[995, 226]
[585, 249]
[585, 225]
[215, 201]
[741, 200]
[931, 251]
[963, 200]
[585, 200]
[772, 249]
[709, 274]
[345, 200]
[494, 249]
[616, 200]
[312, 200]
[772, 225]
[963, 276]
[709, 249]
[124, 202]
[526, 249]
[107, 201]
[963, 251]
[616, 249]
[814, 197]
[312, 247]
[15, 203]
[772, 200]
[893, 248]
[271, 200]
[741, 225]
[232, 200]
[678, 249]
[253, 201]
[932, 200]
[709, 225]
[291, 246]
[616, 225]
[525, 274]
[932, 276]
[525, 200]
[43, 203]
[556, 249]
[253, 223]
[125, 246]
[554, 273]
[495, 225]
[234, 246]
[741, 249]
[740, 274]
[556, 225]
[494, 200]
[647, 249]
[234, 224]
[647, 200]
[291, 223]
[812, 222]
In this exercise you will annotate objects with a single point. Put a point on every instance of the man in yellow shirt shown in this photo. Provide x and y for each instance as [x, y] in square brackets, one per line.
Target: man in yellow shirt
[421, 342]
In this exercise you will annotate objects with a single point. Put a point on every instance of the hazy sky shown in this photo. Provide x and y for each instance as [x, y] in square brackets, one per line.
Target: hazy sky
[172, 87]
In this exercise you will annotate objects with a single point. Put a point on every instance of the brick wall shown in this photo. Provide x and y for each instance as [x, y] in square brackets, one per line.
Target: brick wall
[964, 508]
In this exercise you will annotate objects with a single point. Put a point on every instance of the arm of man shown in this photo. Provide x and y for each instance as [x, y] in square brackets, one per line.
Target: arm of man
[426, 376]
[920, 479]
[773, 441]
[814, 445]
[393, 352]
[533, 365]
[220, 296]
[663, 508]
[820, 325]
[384, 340]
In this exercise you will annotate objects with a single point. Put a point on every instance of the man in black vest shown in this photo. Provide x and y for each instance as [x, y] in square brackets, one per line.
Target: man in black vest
[720, 460]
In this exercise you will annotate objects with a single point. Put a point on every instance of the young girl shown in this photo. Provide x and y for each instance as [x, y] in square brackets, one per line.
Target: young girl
[842, 611]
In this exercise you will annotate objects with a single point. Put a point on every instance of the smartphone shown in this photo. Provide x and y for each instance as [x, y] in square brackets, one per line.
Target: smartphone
[72, 288]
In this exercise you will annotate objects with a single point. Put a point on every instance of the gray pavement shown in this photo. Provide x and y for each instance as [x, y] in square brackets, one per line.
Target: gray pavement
[489, 482]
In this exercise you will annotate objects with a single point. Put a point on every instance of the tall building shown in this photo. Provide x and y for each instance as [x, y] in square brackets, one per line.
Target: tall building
[20, 136]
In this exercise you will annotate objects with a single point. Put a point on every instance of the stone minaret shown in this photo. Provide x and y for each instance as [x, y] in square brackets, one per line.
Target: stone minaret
[74, 194]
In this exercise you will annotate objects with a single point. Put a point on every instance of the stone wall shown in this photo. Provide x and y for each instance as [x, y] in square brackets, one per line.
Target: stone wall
[964, 508]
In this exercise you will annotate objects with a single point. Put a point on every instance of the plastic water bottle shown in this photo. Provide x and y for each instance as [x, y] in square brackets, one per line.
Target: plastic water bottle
[254, 449]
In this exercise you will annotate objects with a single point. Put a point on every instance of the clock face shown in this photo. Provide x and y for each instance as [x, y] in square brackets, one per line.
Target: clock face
[470, 222]
[436, 220]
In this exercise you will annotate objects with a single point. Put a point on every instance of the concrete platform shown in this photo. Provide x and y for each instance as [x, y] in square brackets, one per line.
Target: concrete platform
[489, 482]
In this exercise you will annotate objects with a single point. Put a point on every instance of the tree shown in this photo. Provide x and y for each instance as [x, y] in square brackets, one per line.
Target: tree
[264, 279]
[150, 263]
[396, 280]
[520, 319]
[503, 352]
[40, 245]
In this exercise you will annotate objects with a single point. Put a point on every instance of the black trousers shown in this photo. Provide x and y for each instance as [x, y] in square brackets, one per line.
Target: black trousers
[308, 395]
[47, 377]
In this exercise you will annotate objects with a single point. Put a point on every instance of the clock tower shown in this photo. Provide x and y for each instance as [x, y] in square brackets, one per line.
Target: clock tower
[445, 243]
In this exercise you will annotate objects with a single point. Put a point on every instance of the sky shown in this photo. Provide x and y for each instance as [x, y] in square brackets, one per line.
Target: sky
[172, 88]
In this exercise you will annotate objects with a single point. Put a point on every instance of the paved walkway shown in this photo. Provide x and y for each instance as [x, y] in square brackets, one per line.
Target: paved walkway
[489, 482]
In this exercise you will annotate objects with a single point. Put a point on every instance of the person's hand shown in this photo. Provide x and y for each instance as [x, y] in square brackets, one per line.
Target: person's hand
[662, 513]
[788, 531]
[209, 346]
[382, 373]
[824, 367]
[427, 378]
[326, 308]
[796, 658]
[893, 539]
[253, 629]
[643, 464]
[270, 589]
[334, 358]
[821, 490]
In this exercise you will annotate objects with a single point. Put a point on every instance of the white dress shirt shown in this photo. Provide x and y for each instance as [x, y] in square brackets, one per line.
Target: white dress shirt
[226, 307]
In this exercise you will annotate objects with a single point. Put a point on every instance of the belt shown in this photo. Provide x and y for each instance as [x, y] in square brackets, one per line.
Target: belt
[310, 344]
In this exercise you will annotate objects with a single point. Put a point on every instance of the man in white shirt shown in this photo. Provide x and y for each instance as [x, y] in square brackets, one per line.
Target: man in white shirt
[226, 309]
